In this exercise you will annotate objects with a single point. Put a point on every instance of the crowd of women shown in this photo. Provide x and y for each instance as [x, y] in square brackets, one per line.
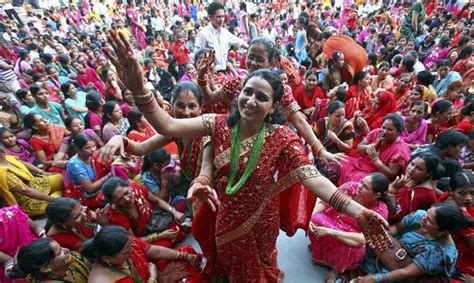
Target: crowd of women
[336, 118]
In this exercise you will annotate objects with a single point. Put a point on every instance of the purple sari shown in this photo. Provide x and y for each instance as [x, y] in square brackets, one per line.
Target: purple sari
[25, 154]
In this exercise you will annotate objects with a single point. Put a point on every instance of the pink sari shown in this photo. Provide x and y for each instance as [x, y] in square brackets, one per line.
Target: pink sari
[418, 136]
[356, 168]
[327, 250]
[14, 233]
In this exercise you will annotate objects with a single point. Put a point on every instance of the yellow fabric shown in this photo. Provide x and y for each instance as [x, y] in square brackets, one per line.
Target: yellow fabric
[20, 177]
[125, 32]
[20, 170]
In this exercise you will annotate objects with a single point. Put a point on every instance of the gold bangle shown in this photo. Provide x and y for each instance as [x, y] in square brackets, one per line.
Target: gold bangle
[319, 146]
[203, 179]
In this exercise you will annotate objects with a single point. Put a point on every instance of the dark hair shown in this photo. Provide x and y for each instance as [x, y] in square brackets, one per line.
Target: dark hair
[157, 156]
[380, 185]
[110, 185]
[108, 108]
[461, 180]
[242, 6]
[464, 39]
[267, 44]
[108, 242]
[465, 53]
[341, 93]
[450, 138]
[134, 116]
[65, 88]
[34, 89]
[421, 103]
[396, 120]
[443, 63]
[277, 117]
[409, 62]
[23, 53]
[32, 258]
[187, 86]
[333, 106]
[21, 93]
[441, 106]
[5, 130]
[425, 78]
[451, 218]
[384, 64]
[433, 164]
[213, 8]
[359, 76]
[68, 121]
[29, 121]
[93, 104]
[336, 55]
[80, 140]
[59, 210]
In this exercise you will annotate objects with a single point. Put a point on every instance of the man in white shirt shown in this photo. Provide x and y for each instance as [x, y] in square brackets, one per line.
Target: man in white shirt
[216, 37]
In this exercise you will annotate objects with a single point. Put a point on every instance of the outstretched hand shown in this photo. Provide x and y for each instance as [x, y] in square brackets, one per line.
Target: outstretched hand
[326, 156]
[374, 228]
[205, 194]
[125, 61]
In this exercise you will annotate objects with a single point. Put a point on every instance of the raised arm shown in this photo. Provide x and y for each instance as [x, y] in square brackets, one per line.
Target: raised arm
[131, 74]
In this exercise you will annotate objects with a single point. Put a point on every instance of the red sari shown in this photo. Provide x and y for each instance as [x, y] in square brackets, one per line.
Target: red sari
[465, 261]
[305, 101]
[410, 200]
[248, 222]
[73, 239]
[138, 225]
[356, 101]
[387, 105]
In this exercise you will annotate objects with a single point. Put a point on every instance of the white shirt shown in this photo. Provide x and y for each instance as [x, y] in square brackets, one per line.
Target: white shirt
[218, 40]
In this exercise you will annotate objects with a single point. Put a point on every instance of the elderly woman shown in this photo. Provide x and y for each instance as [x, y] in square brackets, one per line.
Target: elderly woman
[381, 150]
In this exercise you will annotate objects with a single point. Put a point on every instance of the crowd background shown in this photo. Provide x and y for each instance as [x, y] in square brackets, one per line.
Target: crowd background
[386, 83]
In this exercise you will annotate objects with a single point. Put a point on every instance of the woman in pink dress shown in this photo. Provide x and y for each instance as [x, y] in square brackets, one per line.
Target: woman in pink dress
[137, 29]
[333, 234]
[382, 150]
[16, 231]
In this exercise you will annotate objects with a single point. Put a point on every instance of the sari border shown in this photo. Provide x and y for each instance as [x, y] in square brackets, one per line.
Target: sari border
[209, 121]
[245, 146]
[295, 176]
[291, 109]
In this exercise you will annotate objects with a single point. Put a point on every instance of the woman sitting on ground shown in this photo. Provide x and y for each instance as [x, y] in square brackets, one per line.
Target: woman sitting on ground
[26, 185]
[426, 236]
[17, 147]
[119, 257]
[333, 234]
[86, 173]
[131, 207]
[44, 260]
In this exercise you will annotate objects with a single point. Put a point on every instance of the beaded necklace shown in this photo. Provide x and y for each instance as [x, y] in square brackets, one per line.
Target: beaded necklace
[235, 158]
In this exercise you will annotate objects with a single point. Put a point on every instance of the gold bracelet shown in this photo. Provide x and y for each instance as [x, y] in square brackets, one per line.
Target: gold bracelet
[203, 179]
[319, 146]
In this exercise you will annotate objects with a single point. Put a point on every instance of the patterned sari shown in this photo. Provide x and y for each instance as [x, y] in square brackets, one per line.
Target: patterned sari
[248, 222]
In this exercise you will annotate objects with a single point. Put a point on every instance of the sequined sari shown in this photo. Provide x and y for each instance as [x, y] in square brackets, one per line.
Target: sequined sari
[248, 222]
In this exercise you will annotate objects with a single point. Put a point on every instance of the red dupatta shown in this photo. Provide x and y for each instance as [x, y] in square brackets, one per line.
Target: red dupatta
[387, 104]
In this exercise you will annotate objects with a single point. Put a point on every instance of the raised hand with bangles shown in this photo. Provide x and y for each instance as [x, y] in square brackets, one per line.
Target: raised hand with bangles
[250, 145]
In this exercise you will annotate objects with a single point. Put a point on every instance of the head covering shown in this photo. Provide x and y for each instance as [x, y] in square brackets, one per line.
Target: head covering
[387, 104]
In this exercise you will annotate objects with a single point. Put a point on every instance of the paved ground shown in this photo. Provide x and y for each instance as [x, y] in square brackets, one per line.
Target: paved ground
[294, 259]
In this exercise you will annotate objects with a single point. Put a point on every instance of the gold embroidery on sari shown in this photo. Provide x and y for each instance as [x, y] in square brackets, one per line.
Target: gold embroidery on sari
[224, 157]
[291, 109]
[293, 177]
[209, 120]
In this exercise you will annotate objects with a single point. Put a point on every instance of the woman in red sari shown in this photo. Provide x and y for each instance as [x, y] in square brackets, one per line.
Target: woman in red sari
[381, 150]
[306, 95]
[402, 86]
[384, 104]
[46, 142]
[464, 65]
[359, 95]
[69, 223]
[140, 130]
[131, 207]
[441, 112]
[415, 190]
[121, 258]
[461, 193]
[248, 218]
